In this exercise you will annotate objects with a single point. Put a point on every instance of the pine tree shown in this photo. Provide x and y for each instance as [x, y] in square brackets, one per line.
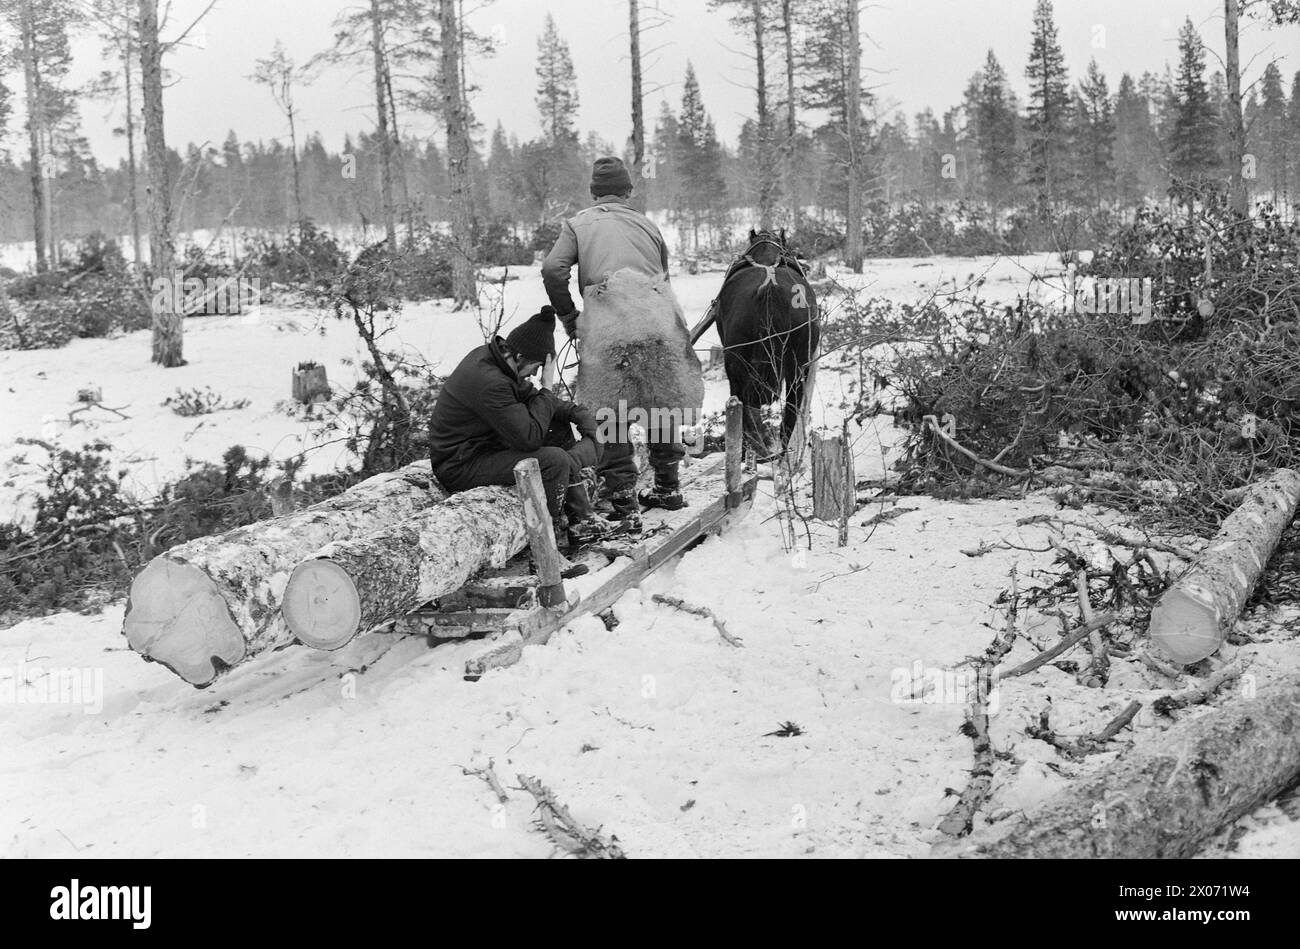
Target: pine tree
[995, 133]
[1293, 130]
[1095, 131]
[1049, 106]
[663, 176]
[553, 164]
[557, 87]
[42, 55]
[1269, 132]
[1193, 140]
[703, 191]
[1137, 152]
[751, 17]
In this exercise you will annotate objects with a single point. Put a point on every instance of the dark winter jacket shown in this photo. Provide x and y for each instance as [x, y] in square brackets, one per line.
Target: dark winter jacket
[485, 407]
[605, 238]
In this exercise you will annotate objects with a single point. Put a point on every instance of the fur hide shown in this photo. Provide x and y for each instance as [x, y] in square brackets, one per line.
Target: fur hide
[636, 348]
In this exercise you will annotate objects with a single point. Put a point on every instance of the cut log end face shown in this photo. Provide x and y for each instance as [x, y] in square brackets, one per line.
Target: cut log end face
[1184, 628]
[177, 617]
[321, 606]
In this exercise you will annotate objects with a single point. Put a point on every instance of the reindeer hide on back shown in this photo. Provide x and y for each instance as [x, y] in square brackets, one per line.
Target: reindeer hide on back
[636, 348]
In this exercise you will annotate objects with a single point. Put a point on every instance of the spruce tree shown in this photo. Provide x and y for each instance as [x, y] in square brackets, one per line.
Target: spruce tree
[1095, 131]
[995, 133]
[703, 191]
[1193, 138]
[1049, 106]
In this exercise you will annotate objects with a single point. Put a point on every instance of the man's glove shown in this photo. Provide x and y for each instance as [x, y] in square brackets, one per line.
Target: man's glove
[581, 417]
[570, 324]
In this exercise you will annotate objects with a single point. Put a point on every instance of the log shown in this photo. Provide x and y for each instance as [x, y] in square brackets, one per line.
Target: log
[541, 533]
[834, 493]
[354, 586]
[1194, 616]
[210, 604]
[1164, 798]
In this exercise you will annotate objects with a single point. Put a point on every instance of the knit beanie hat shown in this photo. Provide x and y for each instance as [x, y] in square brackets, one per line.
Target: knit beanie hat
[535, 339]
[610, 176]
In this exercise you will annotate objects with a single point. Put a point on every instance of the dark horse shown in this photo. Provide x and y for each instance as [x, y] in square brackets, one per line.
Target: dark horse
[769, 325]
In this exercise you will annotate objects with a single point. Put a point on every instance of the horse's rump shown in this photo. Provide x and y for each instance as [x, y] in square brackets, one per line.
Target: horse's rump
[636, 349]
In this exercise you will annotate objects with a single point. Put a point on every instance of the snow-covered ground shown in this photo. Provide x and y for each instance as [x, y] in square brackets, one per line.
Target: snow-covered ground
[657, 730]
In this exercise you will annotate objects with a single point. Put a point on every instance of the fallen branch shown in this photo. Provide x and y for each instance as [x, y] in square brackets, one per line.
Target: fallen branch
[1168, 704]
[1158, 665]
[934, 426]
[705, 612]
[959, 821]
[1087, 744]
[1094, 677]
[1073, 639]
[489, 775]
[565, 832]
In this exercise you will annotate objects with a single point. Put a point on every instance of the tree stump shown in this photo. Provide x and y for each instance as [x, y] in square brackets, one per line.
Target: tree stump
[833, 479]
[310, 384]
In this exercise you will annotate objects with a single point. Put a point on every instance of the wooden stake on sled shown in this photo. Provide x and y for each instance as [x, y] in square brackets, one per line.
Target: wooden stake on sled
[685, 528]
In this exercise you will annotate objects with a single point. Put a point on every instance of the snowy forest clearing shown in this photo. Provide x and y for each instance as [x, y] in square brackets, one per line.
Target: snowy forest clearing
[657, 730]
[252, 356]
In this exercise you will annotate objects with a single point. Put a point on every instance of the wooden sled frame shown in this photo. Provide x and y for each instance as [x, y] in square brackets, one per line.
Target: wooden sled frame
[513, 629]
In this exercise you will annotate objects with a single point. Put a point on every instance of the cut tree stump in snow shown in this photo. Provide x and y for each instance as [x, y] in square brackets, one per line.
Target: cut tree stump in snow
[352, 586]
[310, 384]
[834, 490]
[213, 603]
[1164, 798]
[1194, 616]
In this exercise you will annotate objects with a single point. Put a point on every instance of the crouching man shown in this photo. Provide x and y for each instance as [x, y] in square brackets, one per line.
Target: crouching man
[489, 417]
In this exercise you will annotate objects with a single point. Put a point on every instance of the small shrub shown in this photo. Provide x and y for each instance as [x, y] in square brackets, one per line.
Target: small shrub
[205, 402]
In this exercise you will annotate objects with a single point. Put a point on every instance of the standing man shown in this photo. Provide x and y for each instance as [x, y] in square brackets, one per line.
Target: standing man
[489, 417]
[607, 237]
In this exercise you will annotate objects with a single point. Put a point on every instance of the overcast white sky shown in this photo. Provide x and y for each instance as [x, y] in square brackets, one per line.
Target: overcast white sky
[921, 53]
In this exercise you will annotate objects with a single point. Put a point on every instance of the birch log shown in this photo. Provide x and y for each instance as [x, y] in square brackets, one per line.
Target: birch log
[352, 586]
[213, 603]
[1164, 798]
[1194, 616]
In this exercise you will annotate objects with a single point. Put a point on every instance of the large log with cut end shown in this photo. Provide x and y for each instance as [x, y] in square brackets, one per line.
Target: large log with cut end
[351, 587]
[213, 603]
[1166, 798]
[1194, 616]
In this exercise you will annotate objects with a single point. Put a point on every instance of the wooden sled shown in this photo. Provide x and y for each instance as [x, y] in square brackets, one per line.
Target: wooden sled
[516, 611]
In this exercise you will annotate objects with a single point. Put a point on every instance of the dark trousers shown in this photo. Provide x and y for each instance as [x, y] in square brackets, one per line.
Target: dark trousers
[619, 465]
[560, 461]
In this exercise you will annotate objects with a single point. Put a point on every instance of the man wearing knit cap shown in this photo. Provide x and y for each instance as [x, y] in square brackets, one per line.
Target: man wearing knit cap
[489, 417]
[605, 238]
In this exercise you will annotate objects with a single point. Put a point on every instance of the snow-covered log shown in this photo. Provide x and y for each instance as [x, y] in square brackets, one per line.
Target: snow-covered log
[213, 603]
[353, 586]
[1166, 798]
[1193, 617]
